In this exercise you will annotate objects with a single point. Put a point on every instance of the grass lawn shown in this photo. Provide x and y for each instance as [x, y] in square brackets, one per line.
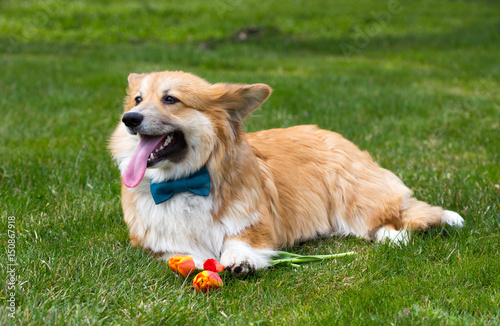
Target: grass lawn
[416, 83]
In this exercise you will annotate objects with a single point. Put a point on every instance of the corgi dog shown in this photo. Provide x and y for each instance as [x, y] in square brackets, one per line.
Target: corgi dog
[194, 183]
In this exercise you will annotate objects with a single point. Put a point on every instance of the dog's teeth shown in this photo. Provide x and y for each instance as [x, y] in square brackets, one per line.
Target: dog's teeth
[167, 141]
[161, 147]
[151, 157]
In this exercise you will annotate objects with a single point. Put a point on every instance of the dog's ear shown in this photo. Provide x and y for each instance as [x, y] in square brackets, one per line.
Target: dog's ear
[240, 100]
[134, 78]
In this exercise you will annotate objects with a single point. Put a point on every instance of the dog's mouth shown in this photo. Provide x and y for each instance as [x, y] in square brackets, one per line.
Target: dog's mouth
[151, 151]
[168, 147]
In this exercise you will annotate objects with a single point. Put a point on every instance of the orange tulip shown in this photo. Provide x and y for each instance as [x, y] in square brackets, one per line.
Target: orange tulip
[181, 265]
[206, 281]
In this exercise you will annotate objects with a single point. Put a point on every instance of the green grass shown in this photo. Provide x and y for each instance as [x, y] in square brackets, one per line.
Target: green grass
[419, 91]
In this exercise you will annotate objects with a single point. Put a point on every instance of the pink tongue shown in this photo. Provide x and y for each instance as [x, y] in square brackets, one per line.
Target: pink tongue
[138, 163]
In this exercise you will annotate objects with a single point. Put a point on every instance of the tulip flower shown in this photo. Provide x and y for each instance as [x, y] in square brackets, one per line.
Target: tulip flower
[213, 266]
[206, 281]
[181, 265]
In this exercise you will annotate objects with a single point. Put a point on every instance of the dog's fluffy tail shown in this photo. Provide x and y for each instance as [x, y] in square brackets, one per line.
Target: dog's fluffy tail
[420, 216]
[416, 215]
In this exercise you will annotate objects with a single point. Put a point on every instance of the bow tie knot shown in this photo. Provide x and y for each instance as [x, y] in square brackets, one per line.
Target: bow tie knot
[197, 183]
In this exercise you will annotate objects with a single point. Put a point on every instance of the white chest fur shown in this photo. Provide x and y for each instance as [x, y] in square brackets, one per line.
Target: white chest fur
[181, 225]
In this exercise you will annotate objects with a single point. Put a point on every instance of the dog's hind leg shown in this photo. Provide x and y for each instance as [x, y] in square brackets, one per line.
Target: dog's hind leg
[389, 233]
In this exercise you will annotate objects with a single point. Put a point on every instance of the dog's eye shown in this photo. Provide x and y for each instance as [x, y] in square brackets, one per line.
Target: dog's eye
[169, 100]
[138, 100]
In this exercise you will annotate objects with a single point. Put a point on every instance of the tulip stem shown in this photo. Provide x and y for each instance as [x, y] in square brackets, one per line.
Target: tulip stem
[291, 259]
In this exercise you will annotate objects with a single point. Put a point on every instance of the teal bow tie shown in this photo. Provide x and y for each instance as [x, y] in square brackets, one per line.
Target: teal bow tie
[197, 183]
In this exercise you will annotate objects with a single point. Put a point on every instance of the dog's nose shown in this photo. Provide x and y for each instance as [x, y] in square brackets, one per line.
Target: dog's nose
[132, 119]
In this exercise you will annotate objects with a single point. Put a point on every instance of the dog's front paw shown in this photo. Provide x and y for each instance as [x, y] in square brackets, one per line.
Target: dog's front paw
[240, 258]
[238, 262]
[241, 269]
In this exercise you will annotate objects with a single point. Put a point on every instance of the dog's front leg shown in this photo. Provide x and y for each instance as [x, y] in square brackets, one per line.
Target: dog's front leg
[240, 258]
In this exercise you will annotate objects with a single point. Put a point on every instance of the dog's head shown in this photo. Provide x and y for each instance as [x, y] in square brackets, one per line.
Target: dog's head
[173, 121]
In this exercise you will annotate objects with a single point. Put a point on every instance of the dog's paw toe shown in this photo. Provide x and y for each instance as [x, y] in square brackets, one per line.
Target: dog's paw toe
[241, 269]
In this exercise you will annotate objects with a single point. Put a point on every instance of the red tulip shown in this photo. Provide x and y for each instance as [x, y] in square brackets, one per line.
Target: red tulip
[181, 265]
[206, 281]
[213, 266]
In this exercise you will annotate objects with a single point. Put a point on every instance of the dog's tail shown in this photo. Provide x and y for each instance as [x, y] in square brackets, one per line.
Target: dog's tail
[415, 215]
[418, 215]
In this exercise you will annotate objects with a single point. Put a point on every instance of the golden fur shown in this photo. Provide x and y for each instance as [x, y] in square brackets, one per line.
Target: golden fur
[269, 188]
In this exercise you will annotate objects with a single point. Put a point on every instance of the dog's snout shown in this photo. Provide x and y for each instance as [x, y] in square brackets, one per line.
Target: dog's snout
[132, 119]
